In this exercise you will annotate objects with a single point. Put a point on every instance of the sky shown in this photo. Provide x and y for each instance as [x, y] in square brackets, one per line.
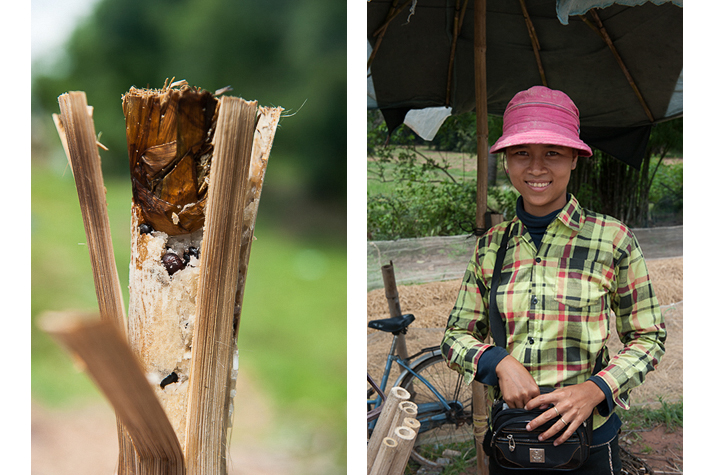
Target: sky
[53, 22]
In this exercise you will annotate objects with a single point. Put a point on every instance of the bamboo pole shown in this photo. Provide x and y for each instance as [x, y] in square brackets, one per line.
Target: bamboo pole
[214, 322]
[412, 423]
[405, 410]
[535, 42]
[405, 437]
[480, 425]
[610, 44]
[382, 426]
[479, 58]
[385, 455]
[381, 33]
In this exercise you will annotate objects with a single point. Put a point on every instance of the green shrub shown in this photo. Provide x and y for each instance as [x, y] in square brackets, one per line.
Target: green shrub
[422, 208]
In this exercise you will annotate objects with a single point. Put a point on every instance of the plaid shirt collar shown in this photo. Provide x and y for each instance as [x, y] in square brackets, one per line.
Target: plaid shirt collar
[571, 215]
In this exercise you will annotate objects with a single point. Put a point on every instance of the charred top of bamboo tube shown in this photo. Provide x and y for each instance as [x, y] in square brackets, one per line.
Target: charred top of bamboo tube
[169, 133]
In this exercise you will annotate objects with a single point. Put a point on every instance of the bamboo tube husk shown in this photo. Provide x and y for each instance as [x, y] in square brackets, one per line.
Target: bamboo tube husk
[405, 437]
[267, 122]
[76, 131]
[79, 139]
[405, 409]
[110, 362]
[382, 426]
[384, 458]
[214, 329]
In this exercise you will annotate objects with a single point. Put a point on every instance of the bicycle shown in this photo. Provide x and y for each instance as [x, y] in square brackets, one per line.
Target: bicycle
[445, 403]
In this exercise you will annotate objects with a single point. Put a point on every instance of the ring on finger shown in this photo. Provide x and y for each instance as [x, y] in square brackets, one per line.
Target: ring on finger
[558, 412]
[563, 421]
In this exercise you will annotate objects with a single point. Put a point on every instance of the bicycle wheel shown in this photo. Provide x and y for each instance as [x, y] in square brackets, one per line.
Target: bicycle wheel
[440, 429]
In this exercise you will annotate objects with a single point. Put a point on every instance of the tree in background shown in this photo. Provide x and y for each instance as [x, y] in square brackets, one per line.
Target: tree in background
[639, 198]
[291, 54]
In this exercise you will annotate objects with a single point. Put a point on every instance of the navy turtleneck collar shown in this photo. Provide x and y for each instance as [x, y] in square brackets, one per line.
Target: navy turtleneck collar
[536, 225]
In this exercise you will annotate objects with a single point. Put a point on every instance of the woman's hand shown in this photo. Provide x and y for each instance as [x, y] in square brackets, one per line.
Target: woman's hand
[516, 383]
[573, 403]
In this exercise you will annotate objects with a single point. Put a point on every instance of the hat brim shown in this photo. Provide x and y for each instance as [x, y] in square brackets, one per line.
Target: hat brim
[542, 137]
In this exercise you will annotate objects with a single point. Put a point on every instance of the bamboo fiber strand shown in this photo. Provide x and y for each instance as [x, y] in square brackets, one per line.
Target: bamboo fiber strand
[213, 334]
[266, 125]
[382, 426]
[80, 136]
[112, 365]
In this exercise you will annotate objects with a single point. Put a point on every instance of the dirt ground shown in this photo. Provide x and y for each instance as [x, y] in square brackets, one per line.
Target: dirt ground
[83, 440]
[431, 304]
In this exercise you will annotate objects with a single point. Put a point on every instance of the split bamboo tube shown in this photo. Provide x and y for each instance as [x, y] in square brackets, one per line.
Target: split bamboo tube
[405, 438]
[389, 410]
[385, 456]
[184, 312]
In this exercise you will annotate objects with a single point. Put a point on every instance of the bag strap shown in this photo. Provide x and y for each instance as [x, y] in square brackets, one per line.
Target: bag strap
[494, 318]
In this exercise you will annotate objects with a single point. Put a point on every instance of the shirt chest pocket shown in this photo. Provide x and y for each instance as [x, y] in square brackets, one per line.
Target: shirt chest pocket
[581, 283]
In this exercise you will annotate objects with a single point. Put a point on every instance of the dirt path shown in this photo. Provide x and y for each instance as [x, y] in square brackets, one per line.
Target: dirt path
[83, 440]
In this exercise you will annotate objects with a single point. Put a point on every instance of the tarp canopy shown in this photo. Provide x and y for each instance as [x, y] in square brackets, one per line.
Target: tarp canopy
[410, 62]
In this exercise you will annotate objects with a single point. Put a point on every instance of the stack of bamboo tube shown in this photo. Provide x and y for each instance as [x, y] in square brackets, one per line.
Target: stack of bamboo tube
[394, 434]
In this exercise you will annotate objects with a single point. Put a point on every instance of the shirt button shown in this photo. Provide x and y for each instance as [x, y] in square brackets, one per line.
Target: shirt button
[531, 340]
[534, 300]
[538, 260]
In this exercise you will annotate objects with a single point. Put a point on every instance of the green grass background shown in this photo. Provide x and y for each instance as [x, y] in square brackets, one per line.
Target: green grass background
[292, 337]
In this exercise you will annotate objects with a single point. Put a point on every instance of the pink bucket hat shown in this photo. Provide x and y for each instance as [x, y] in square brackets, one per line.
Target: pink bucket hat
[541, 116]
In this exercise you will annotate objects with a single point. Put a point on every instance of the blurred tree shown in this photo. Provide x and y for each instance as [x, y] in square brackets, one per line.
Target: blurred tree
[275, 51]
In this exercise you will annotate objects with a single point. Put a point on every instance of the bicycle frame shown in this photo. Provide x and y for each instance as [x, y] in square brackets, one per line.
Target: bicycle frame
[442, 406]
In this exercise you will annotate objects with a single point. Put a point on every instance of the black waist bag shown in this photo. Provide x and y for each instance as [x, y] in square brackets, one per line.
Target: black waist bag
[514, 447]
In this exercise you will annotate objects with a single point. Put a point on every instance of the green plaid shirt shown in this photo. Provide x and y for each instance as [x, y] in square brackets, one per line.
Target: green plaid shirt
[557, 303]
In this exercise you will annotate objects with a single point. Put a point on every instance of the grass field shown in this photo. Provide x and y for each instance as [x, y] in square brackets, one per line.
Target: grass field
[293, 330]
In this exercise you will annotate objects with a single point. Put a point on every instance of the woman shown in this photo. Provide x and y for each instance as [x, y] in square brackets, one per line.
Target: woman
[566, 269]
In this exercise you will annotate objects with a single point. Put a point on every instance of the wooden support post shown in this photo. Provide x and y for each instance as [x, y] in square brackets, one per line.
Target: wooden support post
[479, 58]
[393, 303]
[480, 417]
